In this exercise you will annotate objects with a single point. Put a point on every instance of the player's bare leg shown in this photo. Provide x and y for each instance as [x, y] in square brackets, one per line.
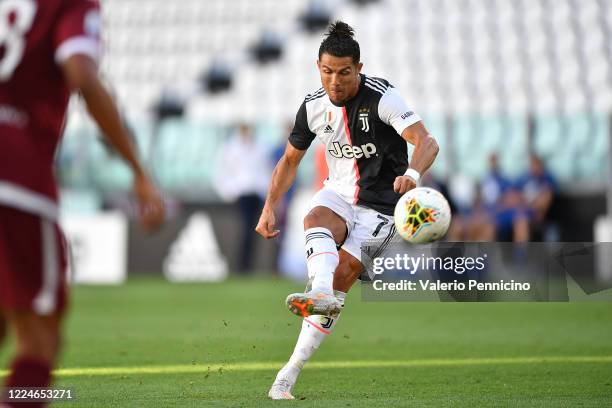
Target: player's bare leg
[38, 342]
[323, 229]
[36, 336]
[316, 328]
[520, 229]
[348, 271]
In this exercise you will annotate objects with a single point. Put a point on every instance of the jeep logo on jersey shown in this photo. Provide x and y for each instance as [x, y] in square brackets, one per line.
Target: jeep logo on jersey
[353, 152]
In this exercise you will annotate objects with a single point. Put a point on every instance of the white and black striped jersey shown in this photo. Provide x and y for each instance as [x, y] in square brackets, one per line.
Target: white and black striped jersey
[364, 149]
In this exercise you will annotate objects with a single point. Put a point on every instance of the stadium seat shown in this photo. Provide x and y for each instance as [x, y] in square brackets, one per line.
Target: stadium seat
[592, 163]
[513, 155]
[547, 136]
[184, 155]
[470, 157]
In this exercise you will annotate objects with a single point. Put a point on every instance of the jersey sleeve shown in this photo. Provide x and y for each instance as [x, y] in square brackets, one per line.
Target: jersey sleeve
[393, 110]
[78, 30]
[301, 136]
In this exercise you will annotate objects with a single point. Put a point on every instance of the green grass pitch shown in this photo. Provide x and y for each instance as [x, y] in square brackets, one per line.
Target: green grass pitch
[154, 344]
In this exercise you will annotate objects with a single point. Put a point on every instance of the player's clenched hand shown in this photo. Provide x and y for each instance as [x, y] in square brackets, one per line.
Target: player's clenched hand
[265, 226]
[403, 184]
[150, 204]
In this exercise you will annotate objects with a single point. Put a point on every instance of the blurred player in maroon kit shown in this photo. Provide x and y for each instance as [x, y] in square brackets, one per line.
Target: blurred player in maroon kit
[48, 48]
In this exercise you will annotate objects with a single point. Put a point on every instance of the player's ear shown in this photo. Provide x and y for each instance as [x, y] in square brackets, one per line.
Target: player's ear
[359, 66]
[318, 65]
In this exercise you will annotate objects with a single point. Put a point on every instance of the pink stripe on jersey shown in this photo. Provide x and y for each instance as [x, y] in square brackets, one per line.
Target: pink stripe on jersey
[348, 134]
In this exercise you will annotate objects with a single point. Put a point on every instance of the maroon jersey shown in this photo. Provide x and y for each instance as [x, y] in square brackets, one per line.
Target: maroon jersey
[36, 37]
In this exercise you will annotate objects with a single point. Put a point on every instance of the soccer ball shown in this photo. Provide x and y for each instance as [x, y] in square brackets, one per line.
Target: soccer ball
[422, 215]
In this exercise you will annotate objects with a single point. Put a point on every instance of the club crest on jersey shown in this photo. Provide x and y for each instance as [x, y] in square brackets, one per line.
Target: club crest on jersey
[365, 124]
[328, 117]
[352, 152]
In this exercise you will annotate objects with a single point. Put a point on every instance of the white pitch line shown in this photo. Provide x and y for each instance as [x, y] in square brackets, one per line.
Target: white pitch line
[255, 366]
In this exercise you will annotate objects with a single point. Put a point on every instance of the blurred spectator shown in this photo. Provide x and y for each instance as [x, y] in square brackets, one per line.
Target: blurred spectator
[504, 202]
[472, 220]
[506, 211]
[242, 176]
[462, 221]
[538, 188]
[474, 224]
[495, 184]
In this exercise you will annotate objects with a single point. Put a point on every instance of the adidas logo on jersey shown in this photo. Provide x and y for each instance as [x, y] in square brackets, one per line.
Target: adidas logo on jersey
[328, 129]
[353, 152]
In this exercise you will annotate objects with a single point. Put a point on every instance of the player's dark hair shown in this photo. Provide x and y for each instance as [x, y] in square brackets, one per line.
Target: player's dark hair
[339, 42]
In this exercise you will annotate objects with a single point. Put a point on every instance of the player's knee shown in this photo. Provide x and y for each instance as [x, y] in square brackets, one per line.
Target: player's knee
[314, 219]
[326, 218]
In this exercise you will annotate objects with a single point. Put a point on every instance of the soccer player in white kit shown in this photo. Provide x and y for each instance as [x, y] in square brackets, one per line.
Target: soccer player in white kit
[365, 124]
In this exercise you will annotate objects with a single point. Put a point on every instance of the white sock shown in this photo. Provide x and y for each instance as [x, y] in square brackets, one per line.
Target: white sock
[315, 329]
[321, 258]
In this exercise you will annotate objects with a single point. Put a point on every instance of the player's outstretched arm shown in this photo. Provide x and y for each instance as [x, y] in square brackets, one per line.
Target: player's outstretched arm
[82, 75]
[283, 177]
[425, 151]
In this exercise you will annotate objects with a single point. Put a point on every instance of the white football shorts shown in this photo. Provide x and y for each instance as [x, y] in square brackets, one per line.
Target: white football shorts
[365, 225]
